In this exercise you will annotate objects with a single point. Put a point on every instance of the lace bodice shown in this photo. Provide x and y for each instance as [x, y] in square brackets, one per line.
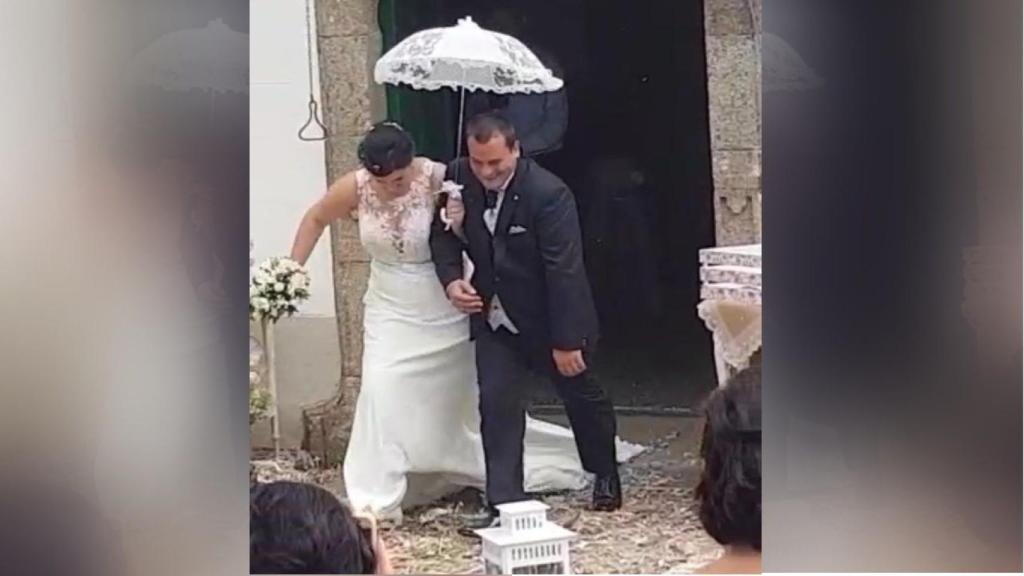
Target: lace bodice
[398, 230]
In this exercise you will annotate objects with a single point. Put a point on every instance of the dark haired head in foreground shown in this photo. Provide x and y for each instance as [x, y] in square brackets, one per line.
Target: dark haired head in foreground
[729, 492]
[297, 528]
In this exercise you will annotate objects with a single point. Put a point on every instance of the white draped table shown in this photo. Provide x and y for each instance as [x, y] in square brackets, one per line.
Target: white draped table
[731, 304]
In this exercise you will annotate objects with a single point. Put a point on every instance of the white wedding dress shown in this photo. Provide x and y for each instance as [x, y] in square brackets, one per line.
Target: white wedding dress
[415, 434]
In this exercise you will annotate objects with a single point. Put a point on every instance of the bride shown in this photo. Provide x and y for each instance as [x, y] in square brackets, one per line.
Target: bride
[416, 432]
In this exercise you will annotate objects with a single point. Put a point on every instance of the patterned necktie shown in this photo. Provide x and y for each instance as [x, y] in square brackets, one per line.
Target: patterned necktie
[491, 199]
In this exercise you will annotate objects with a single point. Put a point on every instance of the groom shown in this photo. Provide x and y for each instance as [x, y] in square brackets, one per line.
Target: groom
[530, 306]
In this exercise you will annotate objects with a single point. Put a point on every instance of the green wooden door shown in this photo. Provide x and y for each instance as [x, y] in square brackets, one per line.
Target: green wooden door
[429, 116]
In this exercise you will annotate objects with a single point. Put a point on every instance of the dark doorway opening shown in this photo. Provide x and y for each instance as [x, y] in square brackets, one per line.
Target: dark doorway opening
[636, 155]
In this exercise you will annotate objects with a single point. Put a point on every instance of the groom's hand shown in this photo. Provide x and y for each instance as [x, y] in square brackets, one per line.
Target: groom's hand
[464, 297]
[569, 362]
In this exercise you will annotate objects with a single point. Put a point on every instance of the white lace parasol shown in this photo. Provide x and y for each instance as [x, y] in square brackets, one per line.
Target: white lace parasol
[468, 57]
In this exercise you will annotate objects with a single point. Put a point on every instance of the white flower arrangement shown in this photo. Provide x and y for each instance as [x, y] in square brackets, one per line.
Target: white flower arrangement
[277, 288]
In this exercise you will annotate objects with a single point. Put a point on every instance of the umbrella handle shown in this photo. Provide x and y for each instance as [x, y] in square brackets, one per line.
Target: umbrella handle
[458, 135]
[314, 117]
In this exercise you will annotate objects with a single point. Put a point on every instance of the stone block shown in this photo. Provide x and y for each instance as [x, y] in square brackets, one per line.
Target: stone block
[737, 217]
[342, 155]
[755, 14]
[345, 240]
[351, 250]
[346, 17]
[737, 169]
[728, 17]
[734, 95]
[378, 92]
[758, 208]
[345, 79]
[350, 280]
[327, 425]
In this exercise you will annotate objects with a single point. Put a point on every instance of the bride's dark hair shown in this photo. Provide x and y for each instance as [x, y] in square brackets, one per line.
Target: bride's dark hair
[385, 148]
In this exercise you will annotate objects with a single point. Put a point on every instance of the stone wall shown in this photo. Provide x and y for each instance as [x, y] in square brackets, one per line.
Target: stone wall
[732, 38]
[349, 42]
[308, 364]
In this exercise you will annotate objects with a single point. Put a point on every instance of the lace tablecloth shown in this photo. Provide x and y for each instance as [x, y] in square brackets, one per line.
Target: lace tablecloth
[731, 304]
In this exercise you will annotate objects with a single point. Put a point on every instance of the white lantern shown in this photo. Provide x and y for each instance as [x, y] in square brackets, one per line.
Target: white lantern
[526, 542]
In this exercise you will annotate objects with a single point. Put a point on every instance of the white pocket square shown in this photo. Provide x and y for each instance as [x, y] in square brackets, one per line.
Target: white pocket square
[516, 230]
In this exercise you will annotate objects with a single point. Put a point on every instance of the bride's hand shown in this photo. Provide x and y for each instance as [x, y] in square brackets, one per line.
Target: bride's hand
[455, 212]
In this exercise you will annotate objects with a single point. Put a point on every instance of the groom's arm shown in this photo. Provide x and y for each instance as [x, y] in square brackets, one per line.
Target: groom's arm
[446, 251]
[445, 248]
[570, 304]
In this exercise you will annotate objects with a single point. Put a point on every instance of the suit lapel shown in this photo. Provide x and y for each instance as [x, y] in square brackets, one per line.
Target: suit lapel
[473, 196]
[509, 202]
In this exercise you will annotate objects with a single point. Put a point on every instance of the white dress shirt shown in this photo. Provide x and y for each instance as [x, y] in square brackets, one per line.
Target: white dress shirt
[496, 315]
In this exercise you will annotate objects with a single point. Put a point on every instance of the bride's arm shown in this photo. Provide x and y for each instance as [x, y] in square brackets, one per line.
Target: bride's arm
[341, 199]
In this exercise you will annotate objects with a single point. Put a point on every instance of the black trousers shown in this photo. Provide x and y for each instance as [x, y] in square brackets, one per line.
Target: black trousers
[503, 360]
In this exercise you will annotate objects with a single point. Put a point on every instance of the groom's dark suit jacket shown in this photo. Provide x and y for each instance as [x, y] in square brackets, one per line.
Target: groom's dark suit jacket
[534, 260]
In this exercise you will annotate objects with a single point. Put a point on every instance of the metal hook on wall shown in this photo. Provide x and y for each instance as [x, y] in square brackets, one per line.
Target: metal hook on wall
[314, 118]
[314, 113]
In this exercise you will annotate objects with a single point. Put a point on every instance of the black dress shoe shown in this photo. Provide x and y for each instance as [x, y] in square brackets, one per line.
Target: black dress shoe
[486, 517]
[607, 493]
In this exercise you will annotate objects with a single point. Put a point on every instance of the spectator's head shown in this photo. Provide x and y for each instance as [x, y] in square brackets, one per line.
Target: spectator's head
[387, 152]
[493, 148]
[729, 492]
[297, 528]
